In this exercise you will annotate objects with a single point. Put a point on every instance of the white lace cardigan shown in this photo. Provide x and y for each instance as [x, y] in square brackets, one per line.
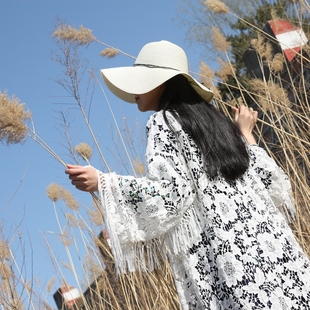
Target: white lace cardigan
[227, 242]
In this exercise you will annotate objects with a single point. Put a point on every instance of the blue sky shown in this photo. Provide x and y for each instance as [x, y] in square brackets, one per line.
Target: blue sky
[27, 71]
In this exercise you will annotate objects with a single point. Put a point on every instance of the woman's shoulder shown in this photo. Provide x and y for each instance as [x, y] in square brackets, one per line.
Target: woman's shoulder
[160, 118]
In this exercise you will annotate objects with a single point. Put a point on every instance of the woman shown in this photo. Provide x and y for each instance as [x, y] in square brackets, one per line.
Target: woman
[210, 199]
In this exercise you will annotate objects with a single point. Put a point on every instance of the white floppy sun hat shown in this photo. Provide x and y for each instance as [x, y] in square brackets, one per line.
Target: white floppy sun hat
[156, 63]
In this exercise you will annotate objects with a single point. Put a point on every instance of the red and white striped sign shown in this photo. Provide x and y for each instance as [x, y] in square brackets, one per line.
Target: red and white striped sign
[70, 294]
[290, 38]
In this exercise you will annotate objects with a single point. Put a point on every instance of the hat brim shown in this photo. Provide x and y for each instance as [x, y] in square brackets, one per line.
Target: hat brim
[126, 82]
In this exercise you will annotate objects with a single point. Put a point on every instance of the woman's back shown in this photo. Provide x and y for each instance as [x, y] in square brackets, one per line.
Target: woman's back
[246, 255]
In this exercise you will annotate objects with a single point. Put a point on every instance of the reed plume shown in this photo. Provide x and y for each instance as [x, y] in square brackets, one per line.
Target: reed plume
[216, 6]
[56, 192]
[109, 52]
[81, 36]
[13, 116]
[219, 41]
[84, 150]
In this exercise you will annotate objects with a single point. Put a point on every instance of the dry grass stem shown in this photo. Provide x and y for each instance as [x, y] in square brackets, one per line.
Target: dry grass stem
[219, 41]
[109, 52]
[12, 119]
[137, 290]
[216, 6]
[81, 36]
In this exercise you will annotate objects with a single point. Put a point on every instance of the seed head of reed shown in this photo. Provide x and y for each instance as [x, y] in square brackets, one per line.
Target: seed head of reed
[53, 192]
[65, 238]
[93, 268]
[226, 70]
[95, 216]
[81, 36]
[69, 200]
[5, 271]
[217, 94]
[206, 74]
[74, 222]
[84, 150]
[50, 284]
[216, 6]
[4, 250]
[270, 95]
[12, 119]
[56, 192]
[277, 63]
[263, 48]
[109, 52]
[219, 41]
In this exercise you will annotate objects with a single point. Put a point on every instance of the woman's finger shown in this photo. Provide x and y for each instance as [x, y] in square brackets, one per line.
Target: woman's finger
[236, 112]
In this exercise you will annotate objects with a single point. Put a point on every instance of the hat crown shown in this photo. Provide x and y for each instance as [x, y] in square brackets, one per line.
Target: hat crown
[163, 54]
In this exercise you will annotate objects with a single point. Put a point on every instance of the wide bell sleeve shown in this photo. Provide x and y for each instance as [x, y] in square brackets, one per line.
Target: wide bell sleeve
[274, 180]
[141, 213]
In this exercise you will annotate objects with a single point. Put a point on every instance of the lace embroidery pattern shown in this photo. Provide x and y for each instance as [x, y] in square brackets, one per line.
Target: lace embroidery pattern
[228, 244]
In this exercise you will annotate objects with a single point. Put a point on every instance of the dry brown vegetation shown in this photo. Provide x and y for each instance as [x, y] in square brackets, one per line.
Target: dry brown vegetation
[286, 117]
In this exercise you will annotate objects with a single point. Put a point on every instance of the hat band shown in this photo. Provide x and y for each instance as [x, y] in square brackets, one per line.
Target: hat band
[154, 66]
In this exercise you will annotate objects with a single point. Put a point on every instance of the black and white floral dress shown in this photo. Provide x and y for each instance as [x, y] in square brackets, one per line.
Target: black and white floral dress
[229, 245]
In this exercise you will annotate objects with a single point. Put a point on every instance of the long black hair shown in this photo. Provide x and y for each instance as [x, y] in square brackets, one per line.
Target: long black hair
[218, 138]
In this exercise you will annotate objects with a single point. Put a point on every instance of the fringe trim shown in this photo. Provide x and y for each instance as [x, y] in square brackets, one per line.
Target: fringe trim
[145, 255]
[109, 211]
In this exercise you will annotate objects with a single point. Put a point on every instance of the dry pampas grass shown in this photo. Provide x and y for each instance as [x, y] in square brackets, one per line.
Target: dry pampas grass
[263, 47]
[12, 119]
[4, 250]
[95, 215]
[66, 238]
[84, 150]
[74, 222]
[216, 6]
[81, 36]
[109, 52]
[206, 74]
[56, 192]
[270, 95]
[156, 290]
[219, 41]
[227, 69]
[277, 64]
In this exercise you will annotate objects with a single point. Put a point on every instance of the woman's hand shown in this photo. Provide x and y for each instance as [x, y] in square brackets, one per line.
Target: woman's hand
[245, 119]
[83, 178]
